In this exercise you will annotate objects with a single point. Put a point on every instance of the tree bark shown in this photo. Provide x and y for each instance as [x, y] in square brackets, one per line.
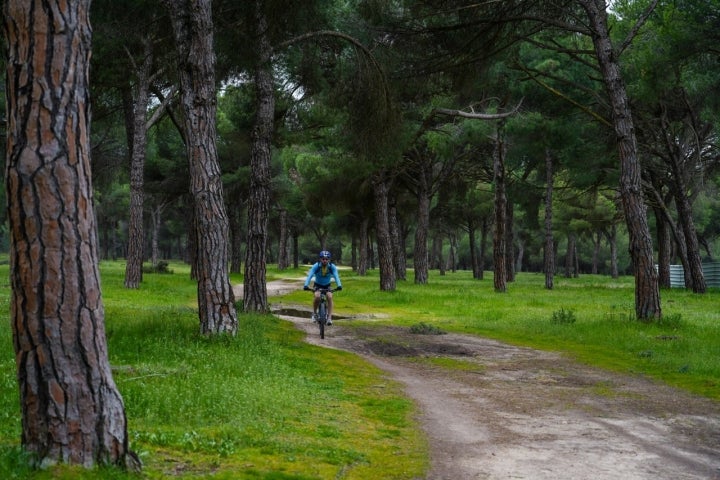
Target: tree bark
[664, 240]
[500, 275]
[509, 242]
[549, 250]
[685, 219]
[647, 290]
[382, 232]
[570, 255]
[255, 286]
[235, 241]
[420, 255]
[363, 247]
[193, 28]
[72, 411]
[472, 245]
[396, 237]
[136, 234]
[283, 252]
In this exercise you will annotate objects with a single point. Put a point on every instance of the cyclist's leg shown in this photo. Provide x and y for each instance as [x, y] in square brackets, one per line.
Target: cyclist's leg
[329, 297]
[316, 302]
[330, 303]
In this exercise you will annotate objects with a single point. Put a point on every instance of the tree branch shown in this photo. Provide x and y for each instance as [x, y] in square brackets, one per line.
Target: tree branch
[634, 31]
[474, 115]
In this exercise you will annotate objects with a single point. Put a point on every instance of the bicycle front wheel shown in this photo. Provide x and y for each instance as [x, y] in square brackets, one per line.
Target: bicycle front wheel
[322, 318]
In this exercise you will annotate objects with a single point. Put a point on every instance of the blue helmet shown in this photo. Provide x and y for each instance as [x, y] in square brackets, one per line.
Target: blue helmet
[324, 254]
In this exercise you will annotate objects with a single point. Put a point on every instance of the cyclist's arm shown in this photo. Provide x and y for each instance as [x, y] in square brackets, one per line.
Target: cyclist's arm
[338, 283]
[310, 275]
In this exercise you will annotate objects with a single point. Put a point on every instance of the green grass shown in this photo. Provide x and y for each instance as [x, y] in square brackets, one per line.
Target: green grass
[266, 405]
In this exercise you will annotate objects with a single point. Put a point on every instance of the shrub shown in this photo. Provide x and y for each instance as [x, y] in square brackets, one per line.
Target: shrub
[564, 317]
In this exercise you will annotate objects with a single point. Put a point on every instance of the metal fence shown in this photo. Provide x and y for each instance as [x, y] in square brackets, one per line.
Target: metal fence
[711, 271]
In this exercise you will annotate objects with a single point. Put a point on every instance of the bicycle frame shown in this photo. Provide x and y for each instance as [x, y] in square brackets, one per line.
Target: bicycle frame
[322, 311]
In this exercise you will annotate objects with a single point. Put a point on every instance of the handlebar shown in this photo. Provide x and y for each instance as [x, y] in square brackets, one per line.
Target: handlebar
[331, 290]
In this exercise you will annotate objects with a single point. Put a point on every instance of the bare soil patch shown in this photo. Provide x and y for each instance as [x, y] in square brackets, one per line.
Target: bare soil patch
[514, 412]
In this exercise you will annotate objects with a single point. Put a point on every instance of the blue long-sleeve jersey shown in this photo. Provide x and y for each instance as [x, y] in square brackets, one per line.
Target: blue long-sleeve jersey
[323, 275]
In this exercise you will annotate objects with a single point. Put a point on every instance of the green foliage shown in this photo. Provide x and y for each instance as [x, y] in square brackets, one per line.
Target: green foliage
[563, 317]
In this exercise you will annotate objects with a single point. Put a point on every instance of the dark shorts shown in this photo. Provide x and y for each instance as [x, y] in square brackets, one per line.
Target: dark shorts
[316, 286]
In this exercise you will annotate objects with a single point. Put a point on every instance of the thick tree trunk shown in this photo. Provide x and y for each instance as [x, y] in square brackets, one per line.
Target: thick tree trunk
[382, 232]
[500, 274]
[255, 287]
[647, 290]
[685, 219]
[71, 409]
[420, 255]
[136, 234]
[549, 249]
[193, 27]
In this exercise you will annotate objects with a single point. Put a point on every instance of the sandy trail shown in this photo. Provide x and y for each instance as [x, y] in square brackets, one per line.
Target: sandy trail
[519, 413]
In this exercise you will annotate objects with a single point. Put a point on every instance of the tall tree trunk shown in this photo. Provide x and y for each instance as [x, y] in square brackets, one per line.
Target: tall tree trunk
[484, 231]
[363, 247]
[396, 239]
[664, 241]
[193, 27]
[647, 290]
[569, 255]
[295, 248]
[520, 255]
[612, 240]
[136, 235]
[549, 249]
[71, 409]
[597, 239]
[437, 253]
[500, 275]
[685, 219]
[472, 244]
[382, 233]
[283, 253]
[156, 217]
[255, 287]
[452, 257]
[420, 254]
[235, 241]
[510, 242]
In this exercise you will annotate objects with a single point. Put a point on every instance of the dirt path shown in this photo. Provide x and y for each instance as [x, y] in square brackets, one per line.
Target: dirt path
[518, 413]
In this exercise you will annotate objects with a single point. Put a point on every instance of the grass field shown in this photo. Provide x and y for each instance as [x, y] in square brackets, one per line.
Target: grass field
[265, 405]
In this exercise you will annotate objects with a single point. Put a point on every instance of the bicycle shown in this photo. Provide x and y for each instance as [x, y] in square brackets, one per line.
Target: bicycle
[322, 309]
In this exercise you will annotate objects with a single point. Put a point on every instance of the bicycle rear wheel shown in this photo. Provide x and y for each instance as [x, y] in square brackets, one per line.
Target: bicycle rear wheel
[322, 318]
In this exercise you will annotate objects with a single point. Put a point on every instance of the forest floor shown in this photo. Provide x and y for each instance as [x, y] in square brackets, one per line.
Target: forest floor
[513, 412]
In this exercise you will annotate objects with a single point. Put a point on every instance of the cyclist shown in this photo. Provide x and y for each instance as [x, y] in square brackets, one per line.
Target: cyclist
[324, 272]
